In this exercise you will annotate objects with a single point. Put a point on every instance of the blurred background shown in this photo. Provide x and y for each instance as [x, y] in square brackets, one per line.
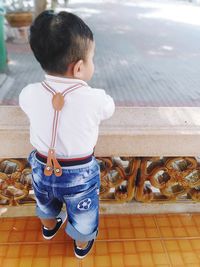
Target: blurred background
[147, 52]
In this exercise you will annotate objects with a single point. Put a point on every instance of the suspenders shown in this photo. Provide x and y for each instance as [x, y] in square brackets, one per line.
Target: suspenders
[58, 103]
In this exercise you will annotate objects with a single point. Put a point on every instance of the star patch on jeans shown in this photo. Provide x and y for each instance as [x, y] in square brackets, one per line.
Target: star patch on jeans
[84, 204]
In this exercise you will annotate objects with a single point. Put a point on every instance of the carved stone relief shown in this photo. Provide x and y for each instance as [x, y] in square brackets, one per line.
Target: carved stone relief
[123, 179]
[168, 179]
[15, 182]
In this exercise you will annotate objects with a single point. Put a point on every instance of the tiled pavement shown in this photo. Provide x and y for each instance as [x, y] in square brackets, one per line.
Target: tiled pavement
[123, 241]
[147, 52]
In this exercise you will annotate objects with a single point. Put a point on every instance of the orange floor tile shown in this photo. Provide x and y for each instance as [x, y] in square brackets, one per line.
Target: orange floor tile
[123, 241]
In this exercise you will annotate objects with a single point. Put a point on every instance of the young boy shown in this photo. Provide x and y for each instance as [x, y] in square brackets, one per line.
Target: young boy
[64, 114]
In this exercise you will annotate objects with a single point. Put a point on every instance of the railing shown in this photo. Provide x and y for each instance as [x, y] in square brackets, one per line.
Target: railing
[145, 154]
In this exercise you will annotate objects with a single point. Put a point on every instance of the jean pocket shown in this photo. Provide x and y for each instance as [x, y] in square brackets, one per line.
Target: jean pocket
[80, 194]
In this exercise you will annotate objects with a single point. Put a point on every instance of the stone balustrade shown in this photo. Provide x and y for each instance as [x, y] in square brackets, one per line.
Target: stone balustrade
[132, 131]
[146, 155]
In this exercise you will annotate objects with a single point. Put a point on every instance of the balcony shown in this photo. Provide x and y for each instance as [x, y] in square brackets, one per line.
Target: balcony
[148, 159]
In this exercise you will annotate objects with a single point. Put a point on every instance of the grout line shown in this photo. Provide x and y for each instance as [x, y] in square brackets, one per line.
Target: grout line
[162, 242]
[148, 239]
[107, 215]
[34, 243]
[103, 240]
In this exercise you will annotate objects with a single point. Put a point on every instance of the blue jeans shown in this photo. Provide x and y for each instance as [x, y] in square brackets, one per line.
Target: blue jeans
[78, 188]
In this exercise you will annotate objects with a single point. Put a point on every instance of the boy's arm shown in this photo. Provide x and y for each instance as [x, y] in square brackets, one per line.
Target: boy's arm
[107, 106]
[23, 100]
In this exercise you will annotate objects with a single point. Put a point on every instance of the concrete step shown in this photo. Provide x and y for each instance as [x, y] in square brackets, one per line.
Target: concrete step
[132, 207]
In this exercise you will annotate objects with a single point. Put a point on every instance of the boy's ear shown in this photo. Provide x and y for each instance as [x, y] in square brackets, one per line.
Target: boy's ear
[77, 69]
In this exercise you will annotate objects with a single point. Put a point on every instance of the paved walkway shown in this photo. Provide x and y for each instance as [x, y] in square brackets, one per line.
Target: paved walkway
[171, 240]
[147, 53]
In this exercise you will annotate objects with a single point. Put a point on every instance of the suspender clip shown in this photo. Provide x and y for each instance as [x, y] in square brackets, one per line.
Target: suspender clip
[52, 164]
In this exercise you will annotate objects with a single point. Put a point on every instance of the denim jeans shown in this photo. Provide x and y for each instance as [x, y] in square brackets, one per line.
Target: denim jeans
[77, 188]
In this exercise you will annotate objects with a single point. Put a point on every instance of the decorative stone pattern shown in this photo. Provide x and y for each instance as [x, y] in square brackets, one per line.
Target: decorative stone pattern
[118, 178]
[15, 182]
[168, 179]
[122, 179]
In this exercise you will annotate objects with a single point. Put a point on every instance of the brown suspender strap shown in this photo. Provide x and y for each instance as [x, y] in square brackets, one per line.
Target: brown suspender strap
[58, 103]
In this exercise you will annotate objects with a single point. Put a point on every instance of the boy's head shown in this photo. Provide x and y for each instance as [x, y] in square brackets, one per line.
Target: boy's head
[63, 44]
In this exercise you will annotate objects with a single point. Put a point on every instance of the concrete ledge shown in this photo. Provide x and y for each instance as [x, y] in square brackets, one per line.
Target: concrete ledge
[149, 208]
[132, 131]
[126, 208]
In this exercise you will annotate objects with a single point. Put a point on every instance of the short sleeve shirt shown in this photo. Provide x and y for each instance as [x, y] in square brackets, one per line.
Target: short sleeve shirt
[79, 120]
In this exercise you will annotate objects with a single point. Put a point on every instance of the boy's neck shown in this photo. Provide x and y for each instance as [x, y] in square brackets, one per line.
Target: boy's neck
[68, 74]
[61, 76]
[65, 79]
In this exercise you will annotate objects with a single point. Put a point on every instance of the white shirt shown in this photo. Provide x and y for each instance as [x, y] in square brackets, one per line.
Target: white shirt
[79, 120]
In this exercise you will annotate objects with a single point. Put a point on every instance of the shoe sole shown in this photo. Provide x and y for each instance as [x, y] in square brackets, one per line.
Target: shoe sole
[79, 257]
[50, 237]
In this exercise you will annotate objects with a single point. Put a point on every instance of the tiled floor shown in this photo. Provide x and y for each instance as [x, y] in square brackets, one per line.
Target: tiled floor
[123, 241]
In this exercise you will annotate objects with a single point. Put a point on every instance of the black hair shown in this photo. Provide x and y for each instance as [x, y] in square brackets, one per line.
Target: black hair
[58, 39]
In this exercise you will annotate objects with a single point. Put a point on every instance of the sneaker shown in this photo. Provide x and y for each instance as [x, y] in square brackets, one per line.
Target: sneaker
[61, 218]
[81, 253]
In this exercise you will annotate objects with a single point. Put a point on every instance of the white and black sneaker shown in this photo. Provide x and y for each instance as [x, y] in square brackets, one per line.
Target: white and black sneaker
[81, 253]
[48, 234]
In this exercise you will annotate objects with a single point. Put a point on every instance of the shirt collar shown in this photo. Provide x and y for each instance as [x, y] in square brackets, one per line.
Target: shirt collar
[64, 80]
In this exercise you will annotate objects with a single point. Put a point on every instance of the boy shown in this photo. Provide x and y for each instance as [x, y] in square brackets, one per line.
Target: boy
[64, 114]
